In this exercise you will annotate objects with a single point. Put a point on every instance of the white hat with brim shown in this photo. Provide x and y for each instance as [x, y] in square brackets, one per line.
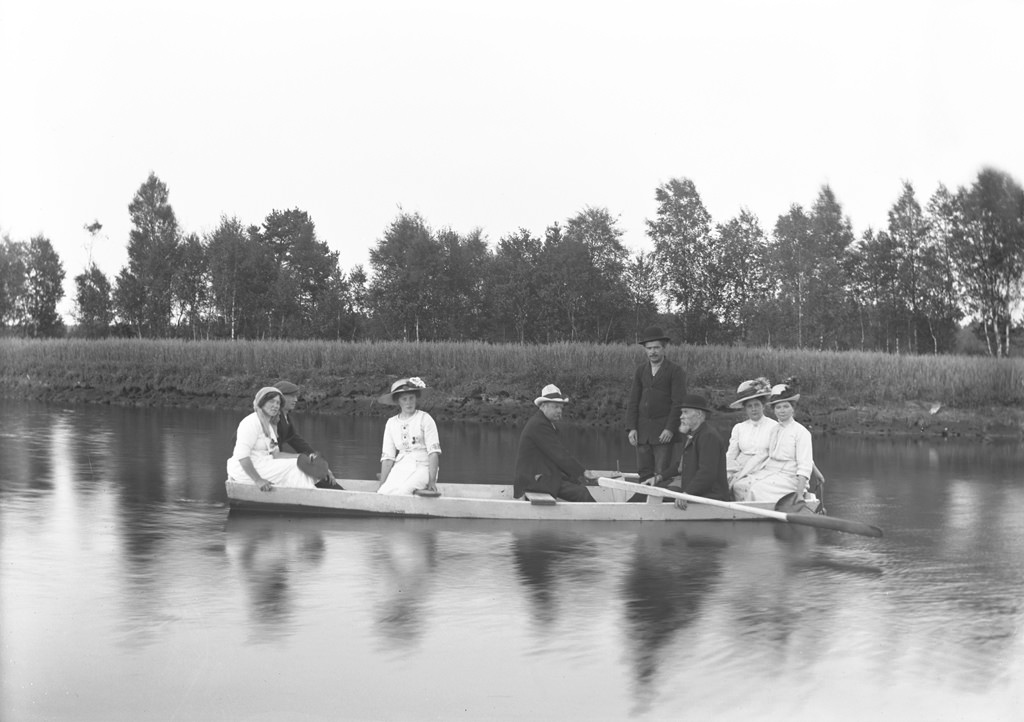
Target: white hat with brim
[759, 388]
[552, 394]
[413, 384]
[783, 392]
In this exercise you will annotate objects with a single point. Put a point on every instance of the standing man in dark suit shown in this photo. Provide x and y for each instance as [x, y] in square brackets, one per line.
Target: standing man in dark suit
[286, 434]
[652, 413]
[543, 463]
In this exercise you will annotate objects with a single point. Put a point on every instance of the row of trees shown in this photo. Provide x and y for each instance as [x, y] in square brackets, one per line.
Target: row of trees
[809, 282]
[274, 280]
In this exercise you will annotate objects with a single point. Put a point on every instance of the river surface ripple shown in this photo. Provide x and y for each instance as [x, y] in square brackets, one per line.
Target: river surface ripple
[128, 591]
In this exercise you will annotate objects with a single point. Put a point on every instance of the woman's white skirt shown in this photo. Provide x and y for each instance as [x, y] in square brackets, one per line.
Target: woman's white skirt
[765, 485]
[410, 472]
[279, 472]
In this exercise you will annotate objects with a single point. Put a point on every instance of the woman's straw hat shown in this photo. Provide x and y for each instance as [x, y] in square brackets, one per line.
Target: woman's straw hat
[786, 391]
[759, 388]
[413, 384]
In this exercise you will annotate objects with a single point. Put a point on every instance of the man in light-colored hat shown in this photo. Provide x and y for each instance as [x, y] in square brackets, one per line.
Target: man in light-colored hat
[652, 412]
[315, 464]
[543, 463]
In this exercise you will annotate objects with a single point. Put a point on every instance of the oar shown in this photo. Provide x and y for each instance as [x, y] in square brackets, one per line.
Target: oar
[817, 520]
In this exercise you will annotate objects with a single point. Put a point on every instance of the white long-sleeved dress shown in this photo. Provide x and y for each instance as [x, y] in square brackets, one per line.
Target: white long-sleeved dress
[409, 443]
[252, 441]
[789, 455]
[748, 446]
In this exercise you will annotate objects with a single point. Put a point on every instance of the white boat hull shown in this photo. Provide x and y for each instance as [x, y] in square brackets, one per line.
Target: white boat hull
[469, 501]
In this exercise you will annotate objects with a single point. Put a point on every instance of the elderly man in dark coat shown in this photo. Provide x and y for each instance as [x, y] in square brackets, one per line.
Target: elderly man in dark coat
[652, 412]
[702, 468]
[543, 463]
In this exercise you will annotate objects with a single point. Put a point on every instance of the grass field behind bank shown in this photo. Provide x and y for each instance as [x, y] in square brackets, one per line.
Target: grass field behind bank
[225, 368]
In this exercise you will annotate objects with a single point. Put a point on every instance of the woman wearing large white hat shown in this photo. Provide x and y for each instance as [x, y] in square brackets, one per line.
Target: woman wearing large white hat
[411, 452]
[748, 443]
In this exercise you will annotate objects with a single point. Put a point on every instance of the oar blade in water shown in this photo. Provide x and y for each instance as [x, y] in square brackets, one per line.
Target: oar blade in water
[830, 522]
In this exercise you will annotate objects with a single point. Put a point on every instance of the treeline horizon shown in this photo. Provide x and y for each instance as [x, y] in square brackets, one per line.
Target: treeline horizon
[809, 283]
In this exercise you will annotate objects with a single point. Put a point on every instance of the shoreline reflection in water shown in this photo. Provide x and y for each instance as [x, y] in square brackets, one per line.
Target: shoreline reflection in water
[127, 590]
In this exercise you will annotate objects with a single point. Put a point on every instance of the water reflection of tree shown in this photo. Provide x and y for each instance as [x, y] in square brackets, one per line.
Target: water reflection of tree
[406, 559]
[663, 592]
[270, 553]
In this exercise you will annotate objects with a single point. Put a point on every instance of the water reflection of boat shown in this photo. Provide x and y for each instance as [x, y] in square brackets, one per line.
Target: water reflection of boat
[546, 561]
[269, 555]
[409, 585]
[471, 501]
[663, 591]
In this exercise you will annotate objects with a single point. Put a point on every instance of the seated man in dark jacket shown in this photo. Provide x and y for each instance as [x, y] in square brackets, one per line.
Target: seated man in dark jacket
[702, 468]
[314, 464]
[543, 462]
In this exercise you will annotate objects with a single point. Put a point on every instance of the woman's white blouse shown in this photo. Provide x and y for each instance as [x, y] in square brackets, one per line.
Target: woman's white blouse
[252, 440]
[791, 449]
[748, 439]
[405, 436]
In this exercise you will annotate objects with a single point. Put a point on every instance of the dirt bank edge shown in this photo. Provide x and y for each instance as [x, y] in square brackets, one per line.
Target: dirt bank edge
[603, 408]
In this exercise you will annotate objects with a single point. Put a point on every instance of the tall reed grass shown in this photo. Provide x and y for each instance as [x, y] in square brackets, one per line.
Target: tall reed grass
[205, 367]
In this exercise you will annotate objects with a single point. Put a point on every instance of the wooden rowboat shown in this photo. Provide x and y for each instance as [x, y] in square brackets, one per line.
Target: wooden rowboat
[474, 501]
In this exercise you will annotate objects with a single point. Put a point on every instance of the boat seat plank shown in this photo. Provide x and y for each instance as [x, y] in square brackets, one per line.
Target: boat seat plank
[540, 498]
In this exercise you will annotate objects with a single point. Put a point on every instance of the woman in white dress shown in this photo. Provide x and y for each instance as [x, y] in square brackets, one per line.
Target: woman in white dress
[748, 443]
[256, 457]
[790, 457]
[411, 452]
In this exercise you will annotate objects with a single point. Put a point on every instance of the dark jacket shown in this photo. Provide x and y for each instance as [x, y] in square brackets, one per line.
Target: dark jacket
[542, 452]
[703, 464]
[286, 435]
[655, 401]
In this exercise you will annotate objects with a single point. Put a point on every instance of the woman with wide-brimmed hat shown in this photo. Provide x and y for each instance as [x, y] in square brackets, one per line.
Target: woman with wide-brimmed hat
[411, 452]
[748, 442]
[257, 457]
[790, 460]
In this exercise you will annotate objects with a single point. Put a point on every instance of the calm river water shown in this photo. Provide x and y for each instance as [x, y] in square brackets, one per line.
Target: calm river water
[128, 592]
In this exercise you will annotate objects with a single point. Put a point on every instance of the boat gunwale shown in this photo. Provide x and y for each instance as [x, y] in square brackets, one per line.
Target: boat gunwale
[243, 497]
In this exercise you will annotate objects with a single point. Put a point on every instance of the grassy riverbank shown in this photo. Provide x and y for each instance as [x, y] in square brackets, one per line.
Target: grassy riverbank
[842, 392]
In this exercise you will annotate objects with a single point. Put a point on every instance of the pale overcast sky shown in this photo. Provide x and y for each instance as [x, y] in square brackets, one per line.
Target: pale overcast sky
[498, 116]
